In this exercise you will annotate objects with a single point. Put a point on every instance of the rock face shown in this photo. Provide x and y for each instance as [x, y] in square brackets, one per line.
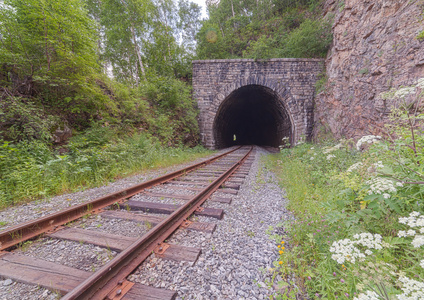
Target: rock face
[375, 48]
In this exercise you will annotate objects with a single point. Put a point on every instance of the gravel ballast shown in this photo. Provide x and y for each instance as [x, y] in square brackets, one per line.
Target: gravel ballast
[235, 261]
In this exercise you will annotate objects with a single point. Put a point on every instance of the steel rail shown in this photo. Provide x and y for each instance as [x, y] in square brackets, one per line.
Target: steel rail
[31, 229]
[111, 275]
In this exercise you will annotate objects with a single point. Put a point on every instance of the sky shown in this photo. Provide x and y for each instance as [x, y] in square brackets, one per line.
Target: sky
[203, 5]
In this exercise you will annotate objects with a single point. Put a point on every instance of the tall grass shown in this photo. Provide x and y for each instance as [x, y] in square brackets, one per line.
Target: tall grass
[31, 170]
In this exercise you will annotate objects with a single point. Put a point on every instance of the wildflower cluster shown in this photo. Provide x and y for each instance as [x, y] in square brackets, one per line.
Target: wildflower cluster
[368, 295]
[331, 149]
[383, 186]
[405, 91]
[415, 220]
[420, 83]
[281, 251]
[370, 139]
[347, 250]
[411, 289]
[354, 167]
[372, 170]
[330, 156]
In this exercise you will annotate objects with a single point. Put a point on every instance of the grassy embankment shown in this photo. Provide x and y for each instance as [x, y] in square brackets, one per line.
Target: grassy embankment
[359, 215]
[32, 170]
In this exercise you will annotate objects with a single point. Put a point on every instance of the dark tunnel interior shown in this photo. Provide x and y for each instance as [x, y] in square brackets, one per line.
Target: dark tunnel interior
[251, 115]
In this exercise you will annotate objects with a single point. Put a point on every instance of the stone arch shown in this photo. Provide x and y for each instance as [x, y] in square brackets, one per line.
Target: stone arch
[291, 80]
[284, 107]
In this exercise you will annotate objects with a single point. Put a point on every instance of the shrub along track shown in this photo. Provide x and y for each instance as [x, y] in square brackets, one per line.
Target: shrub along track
[224, 173]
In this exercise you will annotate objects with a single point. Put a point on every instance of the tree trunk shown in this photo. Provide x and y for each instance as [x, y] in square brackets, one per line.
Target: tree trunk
[137, 52]
[46, 40]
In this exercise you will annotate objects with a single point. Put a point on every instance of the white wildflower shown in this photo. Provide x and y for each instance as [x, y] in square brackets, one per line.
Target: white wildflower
[411, 232]
[405, 91]
[418, 241]
[331, 149]
[402, 233]
[348, 250]
[370, 139]
[386, 196]
[330, 156]
[354, 167]
[400, 184]
[420, 83]
[412, 289]
[368, 295]
[422, 264]
[403, 220]
[312, 158]
[415, 220]
[379, 164]
[380, 186]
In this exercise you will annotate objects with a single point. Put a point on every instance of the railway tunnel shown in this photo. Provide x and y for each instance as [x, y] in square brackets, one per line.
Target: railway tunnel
[251, 115]
[246, 101]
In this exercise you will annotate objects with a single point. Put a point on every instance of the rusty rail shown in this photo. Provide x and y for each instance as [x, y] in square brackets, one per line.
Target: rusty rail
[31, 229]
[113, 274]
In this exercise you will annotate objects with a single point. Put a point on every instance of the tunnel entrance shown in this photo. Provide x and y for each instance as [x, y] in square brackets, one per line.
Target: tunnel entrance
[252, 115]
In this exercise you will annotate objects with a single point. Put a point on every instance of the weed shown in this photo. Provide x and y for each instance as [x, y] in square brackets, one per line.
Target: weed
[364, 71]
[148, 225]
[24, 246]
[250, 233]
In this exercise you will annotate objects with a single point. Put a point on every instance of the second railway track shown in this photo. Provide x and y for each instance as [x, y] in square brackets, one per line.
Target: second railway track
[161, 206]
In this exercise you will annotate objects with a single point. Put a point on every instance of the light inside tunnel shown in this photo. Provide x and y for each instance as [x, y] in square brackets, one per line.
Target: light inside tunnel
[252, 115]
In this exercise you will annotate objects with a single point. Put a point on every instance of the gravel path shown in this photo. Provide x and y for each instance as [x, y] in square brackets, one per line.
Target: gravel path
[235, 261]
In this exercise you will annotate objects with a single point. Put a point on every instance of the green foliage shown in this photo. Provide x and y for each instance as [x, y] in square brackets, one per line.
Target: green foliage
[310, 39]
[50, 39]
[336, 192]
[264, 29]
[23, 120]
[52, 54]
[171, 95]
[321, 82]
[31, 170]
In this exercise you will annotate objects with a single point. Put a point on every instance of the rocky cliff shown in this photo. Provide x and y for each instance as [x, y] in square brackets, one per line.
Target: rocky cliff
[375, 48]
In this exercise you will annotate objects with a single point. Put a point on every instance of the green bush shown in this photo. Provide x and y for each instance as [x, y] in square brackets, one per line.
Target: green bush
[310, 39]
[21, 119]
[174, 119]
[31, 170]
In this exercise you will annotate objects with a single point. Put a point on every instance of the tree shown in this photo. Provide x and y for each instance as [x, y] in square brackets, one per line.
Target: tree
[46, 40]
[125, 24]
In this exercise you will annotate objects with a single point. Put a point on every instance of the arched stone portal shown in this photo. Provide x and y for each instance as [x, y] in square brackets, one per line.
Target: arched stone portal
[259, 101]
[252, 115]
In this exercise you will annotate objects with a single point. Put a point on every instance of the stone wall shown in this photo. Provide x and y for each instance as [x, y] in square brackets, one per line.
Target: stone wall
[374, 49]
[293, 80]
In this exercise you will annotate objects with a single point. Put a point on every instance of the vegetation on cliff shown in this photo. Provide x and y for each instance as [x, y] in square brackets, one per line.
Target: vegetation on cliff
[264, 29]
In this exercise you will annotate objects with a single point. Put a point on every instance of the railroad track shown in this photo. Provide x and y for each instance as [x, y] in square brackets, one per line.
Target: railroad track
[162, 205]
